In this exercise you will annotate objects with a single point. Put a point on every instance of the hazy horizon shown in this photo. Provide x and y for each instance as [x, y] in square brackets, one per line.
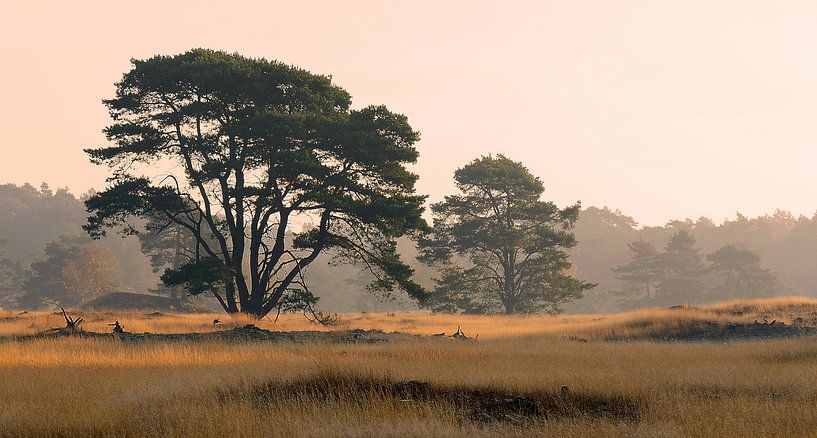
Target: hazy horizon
[662, 112]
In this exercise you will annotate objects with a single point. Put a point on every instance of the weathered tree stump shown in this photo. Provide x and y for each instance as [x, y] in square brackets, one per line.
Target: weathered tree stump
[71, 325]
[459, 335]
[117, 328]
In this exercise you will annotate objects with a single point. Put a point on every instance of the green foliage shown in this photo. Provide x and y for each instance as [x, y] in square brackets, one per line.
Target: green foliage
[205, 275]
[455, 292]
[297, 300]
[260, 143]
[169, 246]
[515, 244]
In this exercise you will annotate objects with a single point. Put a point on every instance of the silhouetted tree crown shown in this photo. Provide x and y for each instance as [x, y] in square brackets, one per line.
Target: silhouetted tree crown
[76, 269]
[261, 145]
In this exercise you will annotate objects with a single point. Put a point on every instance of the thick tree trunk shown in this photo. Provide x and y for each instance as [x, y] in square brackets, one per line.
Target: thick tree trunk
[509, 300]
[253, 307]
[229, 291]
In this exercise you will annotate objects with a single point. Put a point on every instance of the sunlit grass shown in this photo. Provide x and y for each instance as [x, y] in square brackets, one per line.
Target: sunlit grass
[596, 326]
[76, 386]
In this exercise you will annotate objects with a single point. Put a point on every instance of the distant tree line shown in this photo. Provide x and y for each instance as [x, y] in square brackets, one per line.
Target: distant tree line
[46, 258]
[260, 145]
[773, 254]
[680, 274]
[744, 257]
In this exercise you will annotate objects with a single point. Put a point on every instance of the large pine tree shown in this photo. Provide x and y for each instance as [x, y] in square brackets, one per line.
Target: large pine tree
[258, 146]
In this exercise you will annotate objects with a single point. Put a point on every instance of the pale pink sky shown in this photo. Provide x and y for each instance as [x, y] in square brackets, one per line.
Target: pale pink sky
[663, 111]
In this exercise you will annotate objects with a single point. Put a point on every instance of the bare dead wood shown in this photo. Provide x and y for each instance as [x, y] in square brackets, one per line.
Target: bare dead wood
[117, 327]
[71, 325]
[459, 335]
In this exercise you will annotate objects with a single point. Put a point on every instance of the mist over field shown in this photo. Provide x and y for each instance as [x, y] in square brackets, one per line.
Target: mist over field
[786, 246]
[408, 218]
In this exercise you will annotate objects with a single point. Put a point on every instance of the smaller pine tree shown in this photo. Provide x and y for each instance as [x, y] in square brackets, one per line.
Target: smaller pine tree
[682, 270]
[640, 276]
[741, 273]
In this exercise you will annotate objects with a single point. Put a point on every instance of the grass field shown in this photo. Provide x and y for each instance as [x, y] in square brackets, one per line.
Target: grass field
[106, 387]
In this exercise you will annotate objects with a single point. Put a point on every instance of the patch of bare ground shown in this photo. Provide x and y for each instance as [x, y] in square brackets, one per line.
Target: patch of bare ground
[247, 333]
[721, 391]
[714, 331]
[741, 320]
[482, 404]
[746, 320]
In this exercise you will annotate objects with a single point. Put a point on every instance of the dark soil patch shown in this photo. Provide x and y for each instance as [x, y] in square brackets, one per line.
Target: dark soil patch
[480, 404]
[10, 318]
[715, 391]
[248, 333]
[720, 332]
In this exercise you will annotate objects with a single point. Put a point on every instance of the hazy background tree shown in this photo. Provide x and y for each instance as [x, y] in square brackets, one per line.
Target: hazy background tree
[640, 276]
[92, 271]
[681, 269]
[169, 246]
[39, 216]
[30, 218]
[74, 270]
[787, 246]
[740, 272]
[12, 278]
[604, 234]
[261, 144]
[513, 244]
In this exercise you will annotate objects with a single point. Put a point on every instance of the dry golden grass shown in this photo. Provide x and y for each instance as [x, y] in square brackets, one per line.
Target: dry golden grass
[600, 326]
[100, 387]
